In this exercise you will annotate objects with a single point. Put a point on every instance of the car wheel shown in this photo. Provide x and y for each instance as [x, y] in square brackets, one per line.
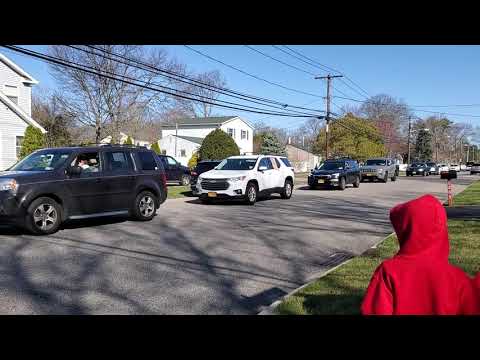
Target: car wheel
[44, 216]
[145, 206]
[251, 194]
[424, 174]
[394, 178]
[287, 190]
[185, 180]
[342, 184]
[356, 183]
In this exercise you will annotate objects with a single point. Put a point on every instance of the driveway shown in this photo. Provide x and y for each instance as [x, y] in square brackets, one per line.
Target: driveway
[199, 259]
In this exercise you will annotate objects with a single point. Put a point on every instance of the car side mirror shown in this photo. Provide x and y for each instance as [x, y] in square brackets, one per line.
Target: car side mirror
[74, 170]
[262, 168]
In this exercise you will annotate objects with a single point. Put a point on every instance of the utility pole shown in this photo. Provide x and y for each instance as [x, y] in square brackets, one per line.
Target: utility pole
[409, 132]
[176, 137]
[329, 98]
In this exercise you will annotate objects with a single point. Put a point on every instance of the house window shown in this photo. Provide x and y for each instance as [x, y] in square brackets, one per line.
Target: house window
[231, 132]
[244, 135]
[18, 145]
[183, 153]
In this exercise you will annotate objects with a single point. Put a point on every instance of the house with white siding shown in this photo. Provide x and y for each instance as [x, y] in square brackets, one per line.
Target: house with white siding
[123, 140]
[185, 137]
[15, 110]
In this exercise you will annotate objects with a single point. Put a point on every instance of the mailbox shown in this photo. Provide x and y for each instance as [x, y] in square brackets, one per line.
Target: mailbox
[448, 175]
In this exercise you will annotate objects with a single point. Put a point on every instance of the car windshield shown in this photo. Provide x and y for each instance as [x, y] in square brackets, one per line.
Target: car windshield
[44, 160]
[375, 162]
[431, 164]
[237, 164]
[332, 165]
[202, 167]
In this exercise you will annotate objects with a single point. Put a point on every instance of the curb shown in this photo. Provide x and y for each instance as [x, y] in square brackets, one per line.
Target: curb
[270, 310]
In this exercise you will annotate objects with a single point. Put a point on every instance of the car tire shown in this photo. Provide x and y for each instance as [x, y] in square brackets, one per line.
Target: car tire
[385, 178]
[287, 190]
[145, 206]
[394, 177]
[251, 193]
[424, 174]
[342, 184]
[44, 216]
[185, 180]
[356, 183]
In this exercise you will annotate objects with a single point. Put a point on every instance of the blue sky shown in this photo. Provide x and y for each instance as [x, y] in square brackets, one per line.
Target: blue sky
[420, 75]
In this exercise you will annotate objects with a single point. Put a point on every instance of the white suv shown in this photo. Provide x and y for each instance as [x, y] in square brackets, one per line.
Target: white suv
[247, 177]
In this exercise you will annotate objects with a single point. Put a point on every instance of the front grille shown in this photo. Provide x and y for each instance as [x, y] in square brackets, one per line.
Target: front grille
[215, 184]
[323, 177]
[368, 171]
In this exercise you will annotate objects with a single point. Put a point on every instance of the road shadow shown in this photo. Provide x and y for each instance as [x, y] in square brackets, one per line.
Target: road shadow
[232, 202]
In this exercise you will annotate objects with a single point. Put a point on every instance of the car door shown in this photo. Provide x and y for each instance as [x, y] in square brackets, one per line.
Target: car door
[174, 169]
[87, 190]
[266, 177]
[120, 179]
[278, 175]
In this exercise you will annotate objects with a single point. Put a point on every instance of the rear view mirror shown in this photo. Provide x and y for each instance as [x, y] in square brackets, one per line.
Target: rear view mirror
[74, 170]
[262, 168]
[448, 175]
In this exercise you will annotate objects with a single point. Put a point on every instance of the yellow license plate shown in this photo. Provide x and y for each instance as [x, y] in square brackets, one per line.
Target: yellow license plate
[320, 181]
[370, 174]
[212, 194]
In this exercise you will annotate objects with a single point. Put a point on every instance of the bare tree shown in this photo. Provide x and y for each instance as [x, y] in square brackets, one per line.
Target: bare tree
[105, 104]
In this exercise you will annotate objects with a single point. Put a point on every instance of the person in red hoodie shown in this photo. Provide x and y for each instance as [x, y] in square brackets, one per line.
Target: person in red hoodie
[419, 280]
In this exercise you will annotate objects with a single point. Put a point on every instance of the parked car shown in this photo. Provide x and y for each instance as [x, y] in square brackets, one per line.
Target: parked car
[417, 169]
[51, 186]
[432, 168]
[475, 169]
[246, 177]
[443, 168]
[202, 166]
[455, 167]
[379, 168]
[463, 167]
[337, 173]
[175, 171]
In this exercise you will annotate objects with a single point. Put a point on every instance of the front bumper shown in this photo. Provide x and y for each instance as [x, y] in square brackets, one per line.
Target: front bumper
[319, 180]
[235, 190]
[10, 209]
[371, 175]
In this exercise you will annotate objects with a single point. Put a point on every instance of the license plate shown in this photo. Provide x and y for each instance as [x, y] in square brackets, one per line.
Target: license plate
[369, 174]
[212, 194]
[320, 181]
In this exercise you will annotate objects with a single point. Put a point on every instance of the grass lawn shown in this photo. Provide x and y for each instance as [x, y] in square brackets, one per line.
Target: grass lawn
[341, 291]
[178, 191]
[470, 196]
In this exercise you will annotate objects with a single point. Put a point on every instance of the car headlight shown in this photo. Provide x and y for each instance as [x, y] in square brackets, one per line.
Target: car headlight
[8, 184]
[380, 170]
[336, 175]
[238, 178]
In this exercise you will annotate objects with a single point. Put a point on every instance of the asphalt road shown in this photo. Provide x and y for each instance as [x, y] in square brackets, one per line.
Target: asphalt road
[199, 259]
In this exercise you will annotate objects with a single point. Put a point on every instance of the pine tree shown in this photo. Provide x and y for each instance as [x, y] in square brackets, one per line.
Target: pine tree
[271, 145]
[218, 145]
[32, 140]
[423, 146]
[155, 147]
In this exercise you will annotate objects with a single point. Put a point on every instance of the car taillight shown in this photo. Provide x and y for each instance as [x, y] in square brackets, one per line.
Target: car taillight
[164, 179]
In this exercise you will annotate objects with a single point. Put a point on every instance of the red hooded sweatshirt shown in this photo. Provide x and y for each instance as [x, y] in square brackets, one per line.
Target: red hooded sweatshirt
[418, 280]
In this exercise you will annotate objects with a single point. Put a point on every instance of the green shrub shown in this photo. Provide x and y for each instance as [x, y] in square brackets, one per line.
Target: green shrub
[32, 140]
[218, 145]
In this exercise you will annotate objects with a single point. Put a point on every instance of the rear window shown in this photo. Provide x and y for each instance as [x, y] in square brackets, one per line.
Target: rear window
[202, 167]
[147, 161]
[286, 162]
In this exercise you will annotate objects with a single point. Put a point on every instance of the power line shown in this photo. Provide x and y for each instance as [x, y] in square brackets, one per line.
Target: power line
[105, 74]
[325, 66]
[128, 63]
[251, 75]
[279, 61]
[188, 80]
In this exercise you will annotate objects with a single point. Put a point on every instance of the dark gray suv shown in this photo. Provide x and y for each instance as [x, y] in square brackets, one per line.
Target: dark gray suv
[51, 186]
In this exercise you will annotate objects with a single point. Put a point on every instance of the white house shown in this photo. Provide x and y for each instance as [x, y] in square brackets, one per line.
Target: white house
[123, 139]
[15, 110]
[183, 139]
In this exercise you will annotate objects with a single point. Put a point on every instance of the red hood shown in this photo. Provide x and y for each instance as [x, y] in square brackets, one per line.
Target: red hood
[421, 227]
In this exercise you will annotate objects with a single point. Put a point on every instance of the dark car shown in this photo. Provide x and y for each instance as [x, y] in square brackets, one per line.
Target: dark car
[51, 186]
[175, 171]
[202, 166]
[336, 173]
[418, 169]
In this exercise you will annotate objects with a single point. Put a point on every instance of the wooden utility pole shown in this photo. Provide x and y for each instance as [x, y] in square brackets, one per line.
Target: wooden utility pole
[176, 137]
[409, 135]
[329, 99]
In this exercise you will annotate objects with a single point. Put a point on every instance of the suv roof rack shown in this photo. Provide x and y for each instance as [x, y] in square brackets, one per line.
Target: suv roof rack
[107, 144]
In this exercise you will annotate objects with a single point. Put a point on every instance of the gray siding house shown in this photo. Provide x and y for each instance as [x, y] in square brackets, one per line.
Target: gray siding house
[15, 109]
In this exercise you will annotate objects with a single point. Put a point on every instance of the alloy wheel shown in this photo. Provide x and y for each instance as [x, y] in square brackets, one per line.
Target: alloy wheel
[45, 217]
[146, 206]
